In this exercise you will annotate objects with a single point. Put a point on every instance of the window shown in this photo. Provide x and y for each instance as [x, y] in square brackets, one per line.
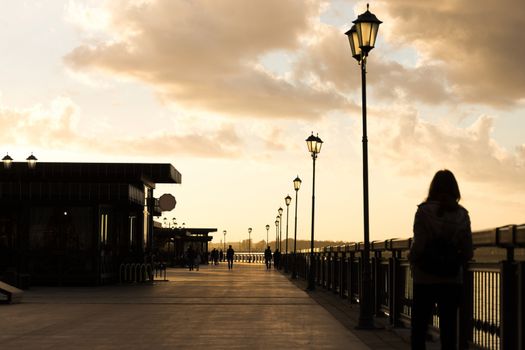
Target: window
[104, 228]
[132, 220]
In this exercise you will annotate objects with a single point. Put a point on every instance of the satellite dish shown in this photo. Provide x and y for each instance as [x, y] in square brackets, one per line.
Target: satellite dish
[167, 202]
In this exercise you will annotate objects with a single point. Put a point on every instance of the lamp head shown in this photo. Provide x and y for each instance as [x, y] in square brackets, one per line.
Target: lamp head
[353, 38]
[314, 144]
[7, 161]
[367, 26]
[297, 183]
[288, 200]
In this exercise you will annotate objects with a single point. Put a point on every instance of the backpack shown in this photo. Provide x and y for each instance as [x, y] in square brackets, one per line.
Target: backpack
[441, 257]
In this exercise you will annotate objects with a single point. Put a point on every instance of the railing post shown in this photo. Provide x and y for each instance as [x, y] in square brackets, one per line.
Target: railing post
[396, 281]
[521, 305]
[342, 274]
[508, 307]
[466, 310]
[377, 282]
[352, 277]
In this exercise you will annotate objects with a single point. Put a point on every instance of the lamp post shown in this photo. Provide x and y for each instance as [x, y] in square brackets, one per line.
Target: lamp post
[7, 160]
[249, 239]
[287, 200]
[276, 232]
[278, 237]
[31, 161]
[296, 186]
[224, 233]
[267, 228]
[314, 144]
[280, 211]
[362, 37]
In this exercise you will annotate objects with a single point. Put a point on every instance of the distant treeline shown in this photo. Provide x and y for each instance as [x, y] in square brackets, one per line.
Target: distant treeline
[261, 245]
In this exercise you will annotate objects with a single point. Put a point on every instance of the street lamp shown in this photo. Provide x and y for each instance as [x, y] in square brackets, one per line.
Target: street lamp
[7, 160]
[267, 228]
[280, 211]
[314, 144]
[165, 221]
[362, 38]
[224, 233]
[276, 231]
[287, 200]
[296, 186]
[31, 161]
[278, 240]
[249, 239]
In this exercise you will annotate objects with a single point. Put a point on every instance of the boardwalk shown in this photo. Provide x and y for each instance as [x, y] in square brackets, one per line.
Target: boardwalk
[247, 308]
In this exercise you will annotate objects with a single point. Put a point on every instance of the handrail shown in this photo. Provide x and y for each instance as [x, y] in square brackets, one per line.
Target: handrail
[493, 315]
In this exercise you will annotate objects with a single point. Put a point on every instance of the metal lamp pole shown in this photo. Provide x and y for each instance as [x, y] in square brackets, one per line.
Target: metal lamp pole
[314, 144]
[249, 239]
[280, 211]
[287, 201]
[362, 37]
[224, 233]
[267, 242]
[296, 186]
[276, 233]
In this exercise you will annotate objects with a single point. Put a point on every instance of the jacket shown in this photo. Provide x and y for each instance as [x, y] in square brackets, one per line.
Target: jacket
[429, 222]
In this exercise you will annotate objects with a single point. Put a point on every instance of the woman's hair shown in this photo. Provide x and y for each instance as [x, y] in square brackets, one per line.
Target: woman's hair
[445, 190]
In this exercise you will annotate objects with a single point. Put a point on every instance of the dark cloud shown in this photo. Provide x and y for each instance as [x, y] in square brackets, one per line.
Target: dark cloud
[479, 43]
[204, 54]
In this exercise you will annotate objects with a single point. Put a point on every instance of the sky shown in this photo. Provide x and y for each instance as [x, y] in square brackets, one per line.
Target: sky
[228, 90]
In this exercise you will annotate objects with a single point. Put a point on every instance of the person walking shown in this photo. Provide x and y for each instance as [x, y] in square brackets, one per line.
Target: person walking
[441, 247]
[276, 259]
[190, 257]
[229, 256]
[268, 258]
[197, 260]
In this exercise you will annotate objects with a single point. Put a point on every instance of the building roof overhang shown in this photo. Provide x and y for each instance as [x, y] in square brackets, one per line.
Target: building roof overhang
[147, 173]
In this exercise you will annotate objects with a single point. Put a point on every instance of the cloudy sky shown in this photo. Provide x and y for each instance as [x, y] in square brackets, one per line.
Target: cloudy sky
[228, 90]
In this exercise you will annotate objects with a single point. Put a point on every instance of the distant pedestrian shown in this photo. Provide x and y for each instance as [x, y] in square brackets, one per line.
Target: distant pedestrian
[215, 255]
[441, 247]
[276, 259]
[190, 257]
[268, 258]
[197, 260]
[221, 255]
[229, 256]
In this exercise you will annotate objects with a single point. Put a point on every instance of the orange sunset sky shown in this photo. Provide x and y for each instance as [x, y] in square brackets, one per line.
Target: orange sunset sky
[228, 90]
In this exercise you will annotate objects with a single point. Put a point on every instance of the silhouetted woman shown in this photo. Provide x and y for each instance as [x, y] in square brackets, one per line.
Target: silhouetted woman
[441, 246]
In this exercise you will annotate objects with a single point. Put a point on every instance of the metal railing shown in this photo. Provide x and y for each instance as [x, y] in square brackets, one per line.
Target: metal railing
[135, 273]
[256, 257]
[492, 315]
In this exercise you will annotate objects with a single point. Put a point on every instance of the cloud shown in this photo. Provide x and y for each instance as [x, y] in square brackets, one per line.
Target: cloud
[478, 45]
[55, 127]
[205, 54]
[413, 146]
[329, 60]
[50, 126]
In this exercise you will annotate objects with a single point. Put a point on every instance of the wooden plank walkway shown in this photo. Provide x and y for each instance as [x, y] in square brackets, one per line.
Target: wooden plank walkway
[214, 308]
